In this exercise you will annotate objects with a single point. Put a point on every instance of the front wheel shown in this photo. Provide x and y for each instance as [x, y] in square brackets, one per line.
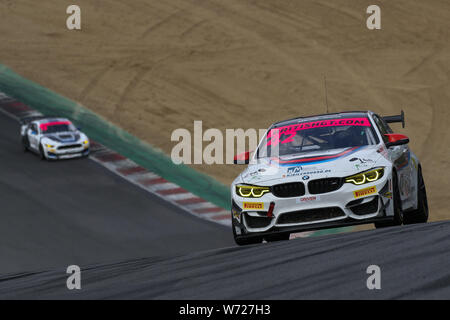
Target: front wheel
[41, 153]
[420, 215]
[398, 213]
[242, 241]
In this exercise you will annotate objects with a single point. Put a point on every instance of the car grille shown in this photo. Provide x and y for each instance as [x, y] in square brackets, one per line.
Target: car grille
[286, 190]
[310, 215]
[69, 146]
[365, 208]
[257, 222]
[324, 185]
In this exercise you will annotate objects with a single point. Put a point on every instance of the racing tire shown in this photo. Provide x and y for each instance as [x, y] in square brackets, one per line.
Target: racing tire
[25, 144]
[398, 213]
[41, 153]
[277, 237]
[245, 241]
[420, 215]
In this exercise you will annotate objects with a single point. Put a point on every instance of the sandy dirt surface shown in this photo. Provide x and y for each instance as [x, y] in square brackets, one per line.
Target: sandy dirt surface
[153, 66]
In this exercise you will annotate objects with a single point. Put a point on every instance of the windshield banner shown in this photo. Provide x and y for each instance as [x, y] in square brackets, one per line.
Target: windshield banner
[291, 130]
[44, 126]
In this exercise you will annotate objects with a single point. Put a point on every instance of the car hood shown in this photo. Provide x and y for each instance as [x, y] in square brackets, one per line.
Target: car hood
[64, 137]
[313, 165]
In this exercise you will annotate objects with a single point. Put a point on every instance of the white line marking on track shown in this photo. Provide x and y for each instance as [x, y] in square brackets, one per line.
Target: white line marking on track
[181, 196]
[162, 186]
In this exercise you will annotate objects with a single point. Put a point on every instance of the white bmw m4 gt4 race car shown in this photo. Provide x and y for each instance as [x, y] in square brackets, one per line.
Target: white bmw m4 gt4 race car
[327, 171]
[53, 138]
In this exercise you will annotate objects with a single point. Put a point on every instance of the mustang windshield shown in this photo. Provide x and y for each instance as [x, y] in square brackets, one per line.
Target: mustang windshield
[317, 136]
[57, 126]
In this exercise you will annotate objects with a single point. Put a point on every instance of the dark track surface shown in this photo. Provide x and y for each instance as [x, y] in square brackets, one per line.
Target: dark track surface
[54, 214]
[414, 262]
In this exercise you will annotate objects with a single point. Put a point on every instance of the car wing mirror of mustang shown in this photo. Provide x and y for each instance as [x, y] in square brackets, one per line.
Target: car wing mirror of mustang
[242, 158]
[396, 139]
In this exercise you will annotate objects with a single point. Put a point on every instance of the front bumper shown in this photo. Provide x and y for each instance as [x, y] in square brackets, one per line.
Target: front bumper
[62, 152]
[310, 227]
[372, 202]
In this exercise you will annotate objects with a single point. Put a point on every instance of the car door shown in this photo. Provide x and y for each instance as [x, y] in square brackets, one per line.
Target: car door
[401, 158]
[33, 136]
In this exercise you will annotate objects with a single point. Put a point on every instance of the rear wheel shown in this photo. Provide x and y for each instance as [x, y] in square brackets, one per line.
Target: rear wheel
[25, 143]
[420, 215]
[398, 213]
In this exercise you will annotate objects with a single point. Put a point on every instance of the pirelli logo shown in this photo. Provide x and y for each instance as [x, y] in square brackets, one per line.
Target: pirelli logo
[365, 192]
[254, 205]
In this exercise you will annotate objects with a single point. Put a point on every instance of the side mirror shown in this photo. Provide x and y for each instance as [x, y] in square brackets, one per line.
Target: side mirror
[242, 158]
[396, 139]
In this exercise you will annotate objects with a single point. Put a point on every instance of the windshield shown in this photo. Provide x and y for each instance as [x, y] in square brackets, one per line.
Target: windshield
[322, 135]
[57, 126]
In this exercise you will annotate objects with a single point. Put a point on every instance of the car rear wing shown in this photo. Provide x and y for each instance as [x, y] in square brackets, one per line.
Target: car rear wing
[27, 120]
[398, 118]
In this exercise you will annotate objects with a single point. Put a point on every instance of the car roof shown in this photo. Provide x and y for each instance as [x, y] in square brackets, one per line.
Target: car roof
[343, 114]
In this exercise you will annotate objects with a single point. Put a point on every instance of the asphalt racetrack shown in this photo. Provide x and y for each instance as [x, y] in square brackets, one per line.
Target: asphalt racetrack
[132, 245]
[414, 263]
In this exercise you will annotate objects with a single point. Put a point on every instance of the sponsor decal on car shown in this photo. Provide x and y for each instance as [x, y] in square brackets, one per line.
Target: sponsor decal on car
[294, 171]
[361, 163]
[361, 160]
[307, 199]
[254, 205]
[235, 213]
[388, 195]
[291, 130]
[414, 163]
[250, 174]
[44, 126]
[365, 192]
[298, 171]
[405, 185]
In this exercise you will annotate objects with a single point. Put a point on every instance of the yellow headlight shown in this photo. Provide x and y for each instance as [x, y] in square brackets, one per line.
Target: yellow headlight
[365, 177]
[85, 141]
[251, 191]
[49, 145]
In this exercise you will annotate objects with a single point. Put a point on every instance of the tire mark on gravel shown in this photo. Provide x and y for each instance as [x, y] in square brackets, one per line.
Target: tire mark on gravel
[94, 81]
[129, 88]
[134, 82]
[192, 28]
[159, 24]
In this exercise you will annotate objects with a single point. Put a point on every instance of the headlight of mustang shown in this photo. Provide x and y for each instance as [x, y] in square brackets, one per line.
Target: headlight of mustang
[85, 142]
[366, 177]
[49, 145]
[247, 191]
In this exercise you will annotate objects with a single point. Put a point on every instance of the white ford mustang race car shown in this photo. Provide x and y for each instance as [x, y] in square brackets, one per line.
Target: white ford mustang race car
[53, 138]
[327, 171]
